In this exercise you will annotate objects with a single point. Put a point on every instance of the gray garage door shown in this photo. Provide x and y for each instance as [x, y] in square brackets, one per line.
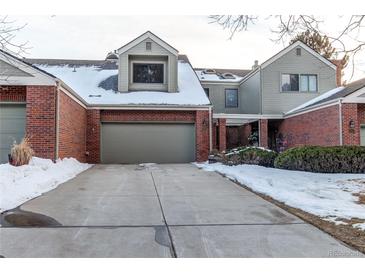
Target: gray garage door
[12, 127]
[147, 143]
[362, 135]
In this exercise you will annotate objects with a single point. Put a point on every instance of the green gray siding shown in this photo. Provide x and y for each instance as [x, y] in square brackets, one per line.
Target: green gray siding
[12, 127]
[273, 100]
[125, 59]
[218, 99]
[131, 143]
[9, 70]
[250, 95]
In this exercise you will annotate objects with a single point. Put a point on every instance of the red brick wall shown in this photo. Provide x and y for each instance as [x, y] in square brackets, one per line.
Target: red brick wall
[202, 135]
[361, 113]
[143, 115]
[72, 129]
[201, 119]
[319, 127]
[12, 93]
[264, 133]
[41, 120]
[93, 136]
[222, 146]
[351, 136]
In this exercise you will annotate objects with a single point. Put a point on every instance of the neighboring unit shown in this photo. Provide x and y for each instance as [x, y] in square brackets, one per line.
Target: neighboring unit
[254, 106]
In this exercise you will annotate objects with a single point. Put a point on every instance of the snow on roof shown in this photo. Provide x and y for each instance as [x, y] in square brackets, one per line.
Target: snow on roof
[315, 100]
[216, 77]
[85, 81]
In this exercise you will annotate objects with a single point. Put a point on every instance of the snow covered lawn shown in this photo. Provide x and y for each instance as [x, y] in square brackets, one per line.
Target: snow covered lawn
[329, 196]
[20, 184]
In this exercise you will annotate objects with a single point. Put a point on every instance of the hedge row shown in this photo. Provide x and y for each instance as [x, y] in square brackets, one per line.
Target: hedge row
[339, 159]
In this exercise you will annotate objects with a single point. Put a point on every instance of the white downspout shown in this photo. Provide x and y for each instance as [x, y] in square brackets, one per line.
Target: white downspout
[340, 120]
[57, 118]
[210, 129]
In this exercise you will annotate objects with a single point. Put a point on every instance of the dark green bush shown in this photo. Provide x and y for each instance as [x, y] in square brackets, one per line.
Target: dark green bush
[258, 156]
[250, 155]
[339, 159]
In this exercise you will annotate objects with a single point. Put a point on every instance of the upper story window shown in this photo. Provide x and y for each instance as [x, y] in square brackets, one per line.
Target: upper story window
[231, 98]
[206, 91]
[148, 73]
[298, 51]
[299, 82]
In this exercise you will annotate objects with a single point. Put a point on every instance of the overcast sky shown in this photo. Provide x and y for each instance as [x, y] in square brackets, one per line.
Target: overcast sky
[92, 37]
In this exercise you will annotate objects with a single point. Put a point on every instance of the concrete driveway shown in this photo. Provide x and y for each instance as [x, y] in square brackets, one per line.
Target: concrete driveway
[159, 211]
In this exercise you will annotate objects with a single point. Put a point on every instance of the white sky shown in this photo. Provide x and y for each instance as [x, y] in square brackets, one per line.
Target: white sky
[207, 45]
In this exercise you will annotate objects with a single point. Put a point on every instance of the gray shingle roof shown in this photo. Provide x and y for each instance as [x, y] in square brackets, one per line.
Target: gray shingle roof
[349, 89]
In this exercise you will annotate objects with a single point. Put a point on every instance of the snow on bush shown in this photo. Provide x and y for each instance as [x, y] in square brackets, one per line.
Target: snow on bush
[327, 195]
[22, 183]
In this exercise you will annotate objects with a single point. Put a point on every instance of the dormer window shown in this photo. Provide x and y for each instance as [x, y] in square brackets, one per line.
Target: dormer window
[148, 45]
[209, 71]
[228, 76]
[148, 73]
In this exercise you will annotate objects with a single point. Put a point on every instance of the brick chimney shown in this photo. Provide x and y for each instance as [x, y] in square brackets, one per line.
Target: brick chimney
[339, 71]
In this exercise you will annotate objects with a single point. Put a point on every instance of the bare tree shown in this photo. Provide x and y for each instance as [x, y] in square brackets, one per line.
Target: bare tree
[8, 31]
[347, 41]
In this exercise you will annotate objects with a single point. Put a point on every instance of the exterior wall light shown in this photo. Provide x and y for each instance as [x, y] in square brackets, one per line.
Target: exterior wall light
[352, 124]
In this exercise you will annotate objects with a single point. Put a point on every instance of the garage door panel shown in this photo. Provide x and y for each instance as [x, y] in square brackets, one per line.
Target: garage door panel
[12, 127]
[147, 142]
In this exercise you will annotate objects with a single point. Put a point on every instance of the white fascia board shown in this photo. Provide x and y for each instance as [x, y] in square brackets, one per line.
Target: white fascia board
[305, 47]
[247, 116]
[36, 76]
[145, 36]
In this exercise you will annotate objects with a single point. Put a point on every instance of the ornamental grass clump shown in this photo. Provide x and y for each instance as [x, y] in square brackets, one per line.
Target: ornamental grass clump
[21, 153]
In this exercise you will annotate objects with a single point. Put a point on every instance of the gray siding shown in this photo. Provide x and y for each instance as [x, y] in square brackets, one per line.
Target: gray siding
[273, 100]
[125, 83]
[218, 99]
[9, 70]
[250, 95]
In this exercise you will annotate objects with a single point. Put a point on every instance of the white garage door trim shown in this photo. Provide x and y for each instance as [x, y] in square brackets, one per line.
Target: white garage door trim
[14, 130]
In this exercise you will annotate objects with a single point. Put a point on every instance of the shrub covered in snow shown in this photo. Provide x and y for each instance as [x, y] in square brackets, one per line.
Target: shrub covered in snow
[251, 155]
[340, 159]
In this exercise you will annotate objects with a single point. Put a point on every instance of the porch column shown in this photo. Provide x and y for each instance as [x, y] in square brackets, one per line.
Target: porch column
[222, 134]
[263, 133]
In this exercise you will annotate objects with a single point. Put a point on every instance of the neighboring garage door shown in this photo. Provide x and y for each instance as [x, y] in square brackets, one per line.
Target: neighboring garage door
[147, 143]
[12, 127]
[362, 135]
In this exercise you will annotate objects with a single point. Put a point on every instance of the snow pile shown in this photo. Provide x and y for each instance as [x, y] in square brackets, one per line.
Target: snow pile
[85, 80]
[215, 77]
[329, 196]
[20, 184]
[236, 151]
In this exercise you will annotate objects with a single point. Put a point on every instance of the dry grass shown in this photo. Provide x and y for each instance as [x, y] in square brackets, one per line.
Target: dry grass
[21, 153]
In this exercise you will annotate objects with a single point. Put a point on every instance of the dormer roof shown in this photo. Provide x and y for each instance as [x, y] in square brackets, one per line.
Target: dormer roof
[145, 36]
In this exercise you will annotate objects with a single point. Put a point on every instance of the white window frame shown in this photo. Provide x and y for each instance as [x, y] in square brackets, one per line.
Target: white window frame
[300, 76]
[148, 62]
